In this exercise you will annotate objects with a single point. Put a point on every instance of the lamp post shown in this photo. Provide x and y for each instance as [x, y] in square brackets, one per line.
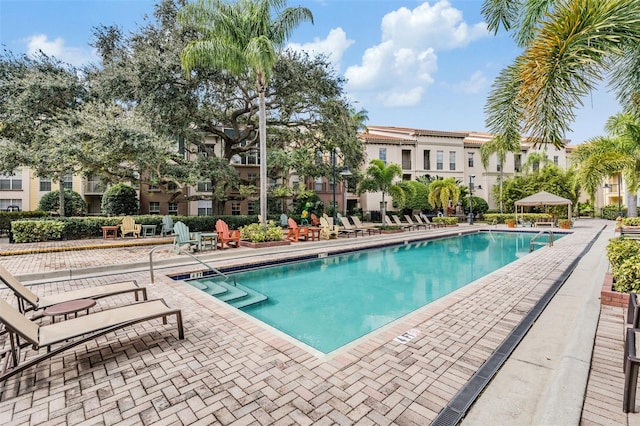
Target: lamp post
[344, 172]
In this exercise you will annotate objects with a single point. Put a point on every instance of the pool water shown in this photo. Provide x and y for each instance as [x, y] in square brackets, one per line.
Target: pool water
[327, 303]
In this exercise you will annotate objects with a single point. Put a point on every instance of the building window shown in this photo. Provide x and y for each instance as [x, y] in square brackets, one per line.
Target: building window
[470, 159]
[204, 208]
[67, 182]
[318, 184]
[252, 208]
[517, 159]
[204, 187]
[173, 208]
[439, 160]
[555, 160]
[426, 158]
[452, 160]
[406, 177]
[154, 188]
[172, 186]
[235, 208]
[499, 167]
[406, 159]
[5, 203]
[252, 177]
[10, 183]
[382, 154]
[154, 207]
[45, 184]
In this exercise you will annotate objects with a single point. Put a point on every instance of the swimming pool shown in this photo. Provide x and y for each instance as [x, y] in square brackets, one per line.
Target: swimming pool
[327, 303]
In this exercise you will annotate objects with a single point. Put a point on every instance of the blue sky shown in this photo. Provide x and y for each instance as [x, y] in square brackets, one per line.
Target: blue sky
[423, 64]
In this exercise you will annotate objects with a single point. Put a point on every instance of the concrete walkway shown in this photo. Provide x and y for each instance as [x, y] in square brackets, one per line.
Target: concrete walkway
[232, 369]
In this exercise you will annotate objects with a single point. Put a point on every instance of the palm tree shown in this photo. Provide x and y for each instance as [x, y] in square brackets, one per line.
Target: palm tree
[602, 157]
[443, 191]
[569, 46]
[379, 178]
[535, 162]
[500, 145]
[242, 37]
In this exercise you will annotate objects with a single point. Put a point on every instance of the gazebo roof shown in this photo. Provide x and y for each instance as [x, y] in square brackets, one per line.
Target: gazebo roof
[543, 198]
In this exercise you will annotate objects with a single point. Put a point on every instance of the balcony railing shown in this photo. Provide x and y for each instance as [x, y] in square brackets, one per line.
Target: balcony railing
[94, 188]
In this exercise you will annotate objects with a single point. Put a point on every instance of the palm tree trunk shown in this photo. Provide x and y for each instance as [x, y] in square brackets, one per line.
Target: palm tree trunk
[501, 179]
[632, 204]
[383, 210]
[262, 129]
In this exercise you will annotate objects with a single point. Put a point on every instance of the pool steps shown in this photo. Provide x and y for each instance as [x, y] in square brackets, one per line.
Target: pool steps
[236, 295]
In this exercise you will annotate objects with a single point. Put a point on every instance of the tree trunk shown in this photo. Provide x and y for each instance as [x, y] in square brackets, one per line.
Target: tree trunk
[632, 204]
[61, 200]
[383, 210]
[263, 154]
[501, 179]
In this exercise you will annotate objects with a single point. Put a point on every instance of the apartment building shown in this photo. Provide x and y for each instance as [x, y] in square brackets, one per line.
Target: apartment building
[445, 154]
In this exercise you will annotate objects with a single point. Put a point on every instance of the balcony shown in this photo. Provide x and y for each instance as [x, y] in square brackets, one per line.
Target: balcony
[92, 187]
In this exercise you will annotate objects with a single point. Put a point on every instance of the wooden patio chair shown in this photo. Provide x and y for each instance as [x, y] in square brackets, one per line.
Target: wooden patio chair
[167, 226]
[183, 237]
[231, 238]
[129, 226]
[296, 233]
[327, 231]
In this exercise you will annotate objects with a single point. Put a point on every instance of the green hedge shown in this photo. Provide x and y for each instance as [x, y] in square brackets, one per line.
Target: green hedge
[447, 220]
[527, 217]
[7, 217]
[631, 221]
[77, 228]
[624, 257]
[29, 231]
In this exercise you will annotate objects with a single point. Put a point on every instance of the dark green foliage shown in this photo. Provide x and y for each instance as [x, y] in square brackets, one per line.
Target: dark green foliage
[120, 199]
[7, 217]
[624, 257]
[480, 206]
[74, 205]
[30, 231]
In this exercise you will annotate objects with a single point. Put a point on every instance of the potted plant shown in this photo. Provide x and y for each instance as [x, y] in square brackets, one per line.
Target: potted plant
[564, 223]
[511, 223]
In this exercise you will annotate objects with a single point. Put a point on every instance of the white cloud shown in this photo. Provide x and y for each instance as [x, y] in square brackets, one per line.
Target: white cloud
[73, 55]
[333, 46]
[398, 71]
[477, 83]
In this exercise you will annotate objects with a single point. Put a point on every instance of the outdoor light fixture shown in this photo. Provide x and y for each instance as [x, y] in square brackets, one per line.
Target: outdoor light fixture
[471, 178]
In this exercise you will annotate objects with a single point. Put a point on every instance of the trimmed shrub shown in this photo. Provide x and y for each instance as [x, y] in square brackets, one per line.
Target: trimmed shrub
[447, 220]
[120, 199]
[256, 233]
[624, 257]
[31, 231]
[74, 205]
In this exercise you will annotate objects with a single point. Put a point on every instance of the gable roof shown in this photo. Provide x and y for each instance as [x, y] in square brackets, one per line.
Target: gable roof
[543, 198]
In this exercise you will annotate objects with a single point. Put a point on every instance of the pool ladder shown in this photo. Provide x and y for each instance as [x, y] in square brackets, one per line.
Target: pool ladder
[179, 250]
[533, 240]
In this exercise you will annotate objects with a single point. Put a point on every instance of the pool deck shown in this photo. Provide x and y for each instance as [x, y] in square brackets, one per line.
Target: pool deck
[232, 369]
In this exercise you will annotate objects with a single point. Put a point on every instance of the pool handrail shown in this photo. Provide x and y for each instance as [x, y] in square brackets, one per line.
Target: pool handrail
[533, 240]
[179, 250]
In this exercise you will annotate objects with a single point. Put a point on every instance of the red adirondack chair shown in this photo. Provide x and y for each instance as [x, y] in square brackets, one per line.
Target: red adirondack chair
[225, 236]
[296, 232]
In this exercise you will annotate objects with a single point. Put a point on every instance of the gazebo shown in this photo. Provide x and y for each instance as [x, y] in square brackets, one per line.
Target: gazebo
[543, 198]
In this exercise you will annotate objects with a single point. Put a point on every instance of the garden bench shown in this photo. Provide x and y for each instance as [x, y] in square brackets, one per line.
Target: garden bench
[630, 231]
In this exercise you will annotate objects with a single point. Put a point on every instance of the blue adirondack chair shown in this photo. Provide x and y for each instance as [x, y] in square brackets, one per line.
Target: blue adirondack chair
[167, 226]
[183, 237]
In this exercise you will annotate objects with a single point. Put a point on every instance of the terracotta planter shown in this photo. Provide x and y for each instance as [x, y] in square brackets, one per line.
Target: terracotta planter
[511, 224]
[264, 244]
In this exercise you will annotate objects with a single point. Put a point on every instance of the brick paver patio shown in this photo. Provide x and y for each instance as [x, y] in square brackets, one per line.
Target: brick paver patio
[232, 369]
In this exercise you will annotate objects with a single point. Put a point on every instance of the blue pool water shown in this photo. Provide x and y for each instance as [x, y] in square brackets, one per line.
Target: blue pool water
[329, 302]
